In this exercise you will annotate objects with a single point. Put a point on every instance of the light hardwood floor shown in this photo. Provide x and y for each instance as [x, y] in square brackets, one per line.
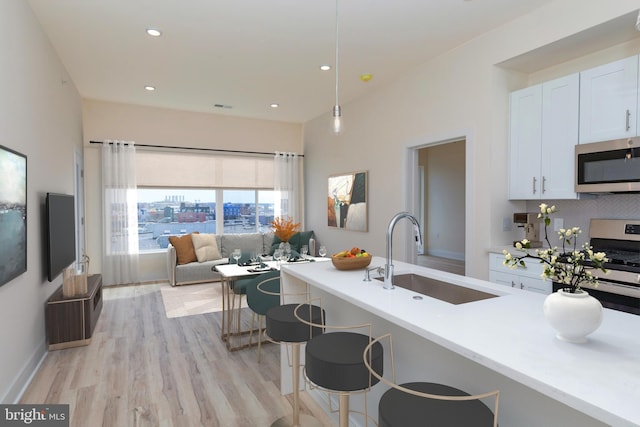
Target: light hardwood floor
[143, 369]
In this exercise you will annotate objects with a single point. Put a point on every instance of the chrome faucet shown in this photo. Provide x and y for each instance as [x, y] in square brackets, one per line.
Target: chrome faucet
[388, 268]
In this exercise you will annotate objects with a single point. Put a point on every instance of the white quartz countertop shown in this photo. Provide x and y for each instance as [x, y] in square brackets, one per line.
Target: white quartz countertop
[508, 334]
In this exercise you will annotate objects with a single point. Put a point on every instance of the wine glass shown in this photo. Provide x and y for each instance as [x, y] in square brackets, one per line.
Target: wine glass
[304, 250]
[323, 251]
[277, 255]
[236, 254]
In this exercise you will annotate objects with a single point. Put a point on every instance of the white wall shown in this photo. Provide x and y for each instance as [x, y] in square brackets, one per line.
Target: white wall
[40, 116]
[167, 128]
[460, 94]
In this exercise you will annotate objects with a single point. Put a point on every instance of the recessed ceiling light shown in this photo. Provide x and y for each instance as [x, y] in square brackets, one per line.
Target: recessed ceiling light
[274, 105]
[154, 32]
[150, 88]
[325, 67]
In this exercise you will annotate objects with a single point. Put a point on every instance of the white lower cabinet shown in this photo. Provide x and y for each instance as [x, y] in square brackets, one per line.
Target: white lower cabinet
[527, 278]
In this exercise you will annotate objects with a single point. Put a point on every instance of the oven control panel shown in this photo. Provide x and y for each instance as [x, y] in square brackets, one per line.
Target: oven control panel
[632, 229]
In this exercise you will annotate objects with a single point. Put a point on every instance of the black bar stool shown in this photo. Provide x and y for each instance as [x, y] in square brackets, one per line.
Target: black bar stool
[424, 404]
[333, 362]
[283, 325]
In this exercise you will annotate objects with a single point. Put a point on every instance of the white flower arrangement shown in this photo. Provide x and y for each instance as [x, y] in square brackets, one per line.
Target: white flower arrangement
[566, 267]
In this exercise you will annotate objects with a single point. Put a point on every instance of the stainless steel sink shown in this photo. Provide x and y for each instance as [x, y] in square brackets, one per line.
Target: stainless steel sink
[448, 292]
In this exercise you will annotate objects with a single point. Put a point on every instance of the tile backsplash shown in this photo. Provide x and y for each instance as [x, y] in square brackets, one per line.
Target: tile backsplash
[578, 213]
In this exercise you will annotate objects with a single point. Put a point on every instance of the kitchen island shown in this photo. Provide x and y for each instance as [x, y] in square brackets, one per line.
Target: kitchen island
[501, 342]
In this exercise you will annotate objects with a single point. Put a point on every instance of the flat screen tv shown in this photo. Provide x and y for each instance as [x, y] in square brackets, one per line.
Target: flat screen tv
[61, 233]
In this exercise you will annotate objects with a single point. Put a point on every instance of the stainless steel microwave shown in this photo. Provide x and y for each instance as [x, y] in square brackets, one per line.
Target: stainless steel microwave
[608, 167]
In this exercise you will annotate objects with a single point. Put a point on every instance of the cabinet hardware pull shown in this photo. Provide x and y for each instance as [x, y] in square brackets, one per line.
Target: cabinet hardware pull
[513, 284]
[521, 285]
[628, 120]
[534, 185]
[544, 182]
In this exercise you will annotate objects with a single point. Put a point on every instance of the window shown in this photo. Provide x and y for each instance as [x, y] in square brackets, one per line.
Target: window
[205, 192]
[164, 212]
[247, 211]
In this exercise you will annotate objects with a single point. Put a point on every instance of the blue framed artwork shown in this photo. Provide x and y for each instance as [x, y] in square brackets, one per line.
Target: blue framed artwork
[13, 214]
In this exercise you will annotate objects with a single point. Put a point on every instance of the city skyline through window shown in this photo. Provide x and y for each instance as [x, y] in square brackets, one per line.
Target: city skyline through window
[165, 212]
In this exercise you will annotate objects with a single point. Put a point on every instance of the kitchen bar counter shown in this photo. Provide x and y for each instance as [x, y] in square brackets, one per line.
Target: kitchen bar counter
[506, 335]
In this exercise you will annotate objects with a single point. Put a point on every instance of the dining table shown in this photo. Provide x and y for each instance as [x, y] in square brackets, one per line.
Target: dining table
[231, 325]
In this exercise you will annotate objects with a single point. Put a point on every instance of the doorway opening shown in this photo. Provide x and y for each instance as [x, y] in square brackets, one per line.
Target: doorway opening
[441, 192]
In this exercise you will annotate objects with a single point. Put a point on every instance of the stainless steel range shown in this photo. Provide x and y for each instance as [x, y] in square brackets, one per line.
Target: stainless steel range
[619, 289]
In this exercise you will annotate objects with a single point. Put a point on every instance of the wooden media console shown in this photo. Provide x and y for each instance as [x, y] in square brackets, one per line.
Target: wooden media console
[71, 321]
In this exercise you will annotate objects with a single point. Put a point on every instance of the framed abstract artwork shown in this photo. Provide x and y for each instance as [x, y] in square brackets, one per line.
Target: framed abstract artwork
[347, 204]
[13, 214]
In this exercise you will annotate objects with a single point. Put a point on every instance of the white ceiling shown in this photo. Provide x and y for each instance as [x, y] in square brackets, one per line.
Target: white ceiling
[248, 54]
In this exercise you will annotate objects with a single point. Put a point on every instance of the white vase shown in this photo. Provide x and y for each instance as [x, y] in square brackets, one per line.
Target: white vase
[573, 315]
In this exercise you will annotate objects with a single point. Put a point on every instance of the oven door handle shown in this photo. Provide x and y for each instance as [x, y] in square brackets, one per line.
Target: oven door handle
[614, 288]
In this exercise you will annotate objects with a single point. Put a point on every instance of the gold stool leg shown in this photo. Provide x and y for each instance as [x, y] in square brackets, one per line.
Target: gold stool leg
[259, 337]
[297, 419]
[344, 410]
[239, 310]
[223, 289]
[253, 320]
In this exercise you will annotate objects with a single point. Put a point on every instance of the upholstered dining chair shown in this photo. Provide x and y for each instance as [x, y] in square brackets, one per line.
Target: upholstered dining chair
[263, 292]
[238, 291]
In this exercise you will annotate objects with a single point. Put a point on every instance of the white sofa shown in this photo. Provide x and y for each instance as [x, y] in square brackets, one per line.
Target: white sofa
[201, 272]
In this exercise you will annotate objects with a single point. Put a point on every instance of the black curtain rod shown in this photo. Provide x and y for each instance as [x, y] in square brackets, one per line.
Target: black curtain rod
[217, 150]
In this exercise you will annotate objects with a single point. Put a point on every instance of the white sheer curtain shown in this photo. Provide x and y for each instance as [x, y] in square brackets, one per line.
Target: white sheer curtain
[120, 215]
[286, 185]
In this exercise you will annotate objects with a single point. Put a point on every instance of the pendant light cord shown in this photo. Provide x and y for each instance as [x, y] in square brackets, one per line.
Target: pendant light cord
[337, 38]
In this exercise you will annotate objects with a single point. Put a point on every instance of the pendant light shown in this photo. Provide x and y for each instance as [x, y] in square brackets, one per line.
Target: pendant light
[337, 126]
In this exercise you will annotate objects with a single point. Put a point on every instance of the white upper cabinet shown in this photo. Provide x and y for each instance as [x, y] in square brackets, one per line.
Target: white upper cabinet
[543, 131]
[560, 99]
[609, 101]
[525, 135]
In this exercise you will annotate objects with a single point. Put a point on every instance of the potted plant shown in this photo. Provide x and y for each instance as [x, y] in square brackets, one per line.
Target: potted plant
[571, 310]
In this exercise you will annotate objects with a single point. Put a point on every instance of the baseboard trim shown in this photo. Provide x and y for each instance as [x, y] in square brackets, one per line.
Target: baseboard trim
[23, 379]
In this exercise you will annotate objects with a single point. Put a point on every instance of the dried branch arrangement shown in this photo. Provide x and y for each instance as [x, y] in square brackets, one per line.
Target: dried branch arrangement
[285, 228]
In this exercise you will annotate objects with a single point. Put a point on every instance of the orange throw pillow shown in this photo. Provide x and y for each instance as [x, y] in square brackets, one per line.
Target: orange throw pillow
[184, 248]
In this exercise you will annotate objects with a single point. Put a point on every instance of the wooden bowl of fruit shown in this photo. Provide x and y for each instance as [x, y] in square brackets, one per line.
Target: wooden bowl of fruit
[353, 259]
